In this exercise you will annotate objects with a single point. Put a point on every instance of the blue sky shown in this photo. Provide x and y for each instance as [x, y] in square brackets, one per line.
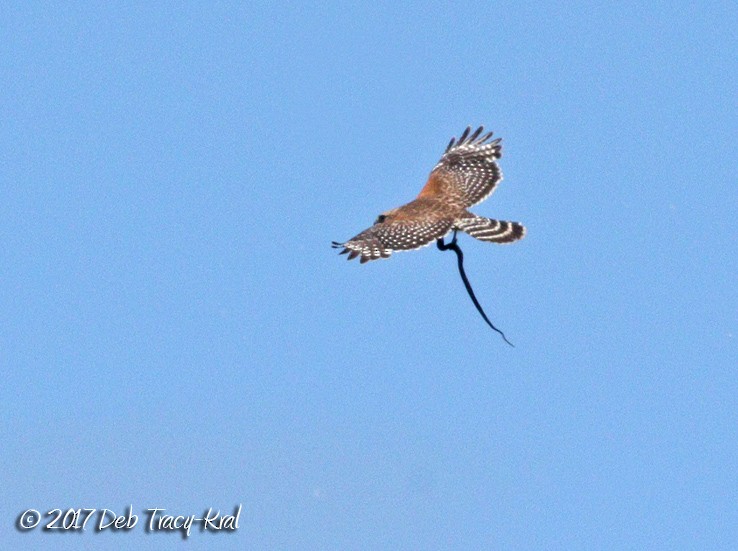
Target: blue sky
[176, 332]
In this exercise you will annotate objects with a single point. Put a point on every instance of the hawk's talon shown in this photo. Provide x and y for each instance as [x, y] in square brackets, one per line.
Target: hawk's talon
[446, 246]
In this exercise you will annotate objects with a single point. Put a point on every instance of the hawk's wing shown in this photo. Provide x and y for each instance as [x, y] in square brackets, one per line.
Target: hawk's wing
[467, 172]
[400, 235]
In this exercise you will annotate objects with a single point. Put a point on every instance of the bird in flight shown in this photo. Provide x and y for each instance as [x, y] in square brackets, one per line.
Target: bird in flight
[467, 174]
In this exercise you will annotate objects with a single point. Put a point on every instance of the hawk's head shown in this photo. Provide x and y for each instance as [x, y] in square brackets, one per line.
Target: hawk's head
[385, 217]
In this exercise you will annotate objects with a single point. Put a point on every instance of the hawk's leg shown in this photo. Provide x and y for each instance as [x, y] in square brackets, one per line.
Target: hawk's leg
[443, 247]
[453, 245]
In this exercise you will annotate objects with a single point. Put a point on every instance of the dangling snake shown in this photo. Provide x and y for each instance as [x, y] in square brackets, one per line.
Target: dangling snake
[452, 245]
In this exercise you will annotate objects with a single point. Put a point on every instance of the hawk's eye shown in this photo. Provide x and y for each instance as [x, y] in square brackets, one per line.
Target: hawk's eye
[381, 218]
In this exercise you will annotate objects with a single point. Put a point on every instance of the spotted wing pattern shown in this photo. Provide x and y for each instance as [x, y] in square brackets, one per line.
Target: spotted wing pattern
[493, 231]
[402, 235]
[468, 172]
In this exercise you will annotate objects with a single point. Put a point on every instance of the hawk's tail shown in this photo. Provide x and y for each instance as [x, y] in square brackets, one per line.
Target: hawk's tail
[493, 231]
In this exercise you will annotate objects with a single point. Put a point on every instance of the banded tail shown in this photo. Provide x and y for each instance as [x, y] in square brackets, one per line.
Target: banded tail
[492, 231]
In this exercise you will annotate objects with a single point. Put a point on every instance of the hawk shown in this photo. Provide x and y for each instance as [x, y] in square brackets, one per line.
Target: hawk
[466, 175]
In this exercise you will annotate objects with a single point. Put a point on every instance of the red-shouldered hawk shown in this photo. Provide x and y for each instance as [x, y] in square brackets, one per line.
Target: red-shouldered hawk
[466, 175]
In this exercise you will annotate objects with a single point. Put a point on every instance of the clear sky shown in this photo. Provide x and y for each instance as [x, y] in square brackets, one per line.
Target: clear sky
[176, 332]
